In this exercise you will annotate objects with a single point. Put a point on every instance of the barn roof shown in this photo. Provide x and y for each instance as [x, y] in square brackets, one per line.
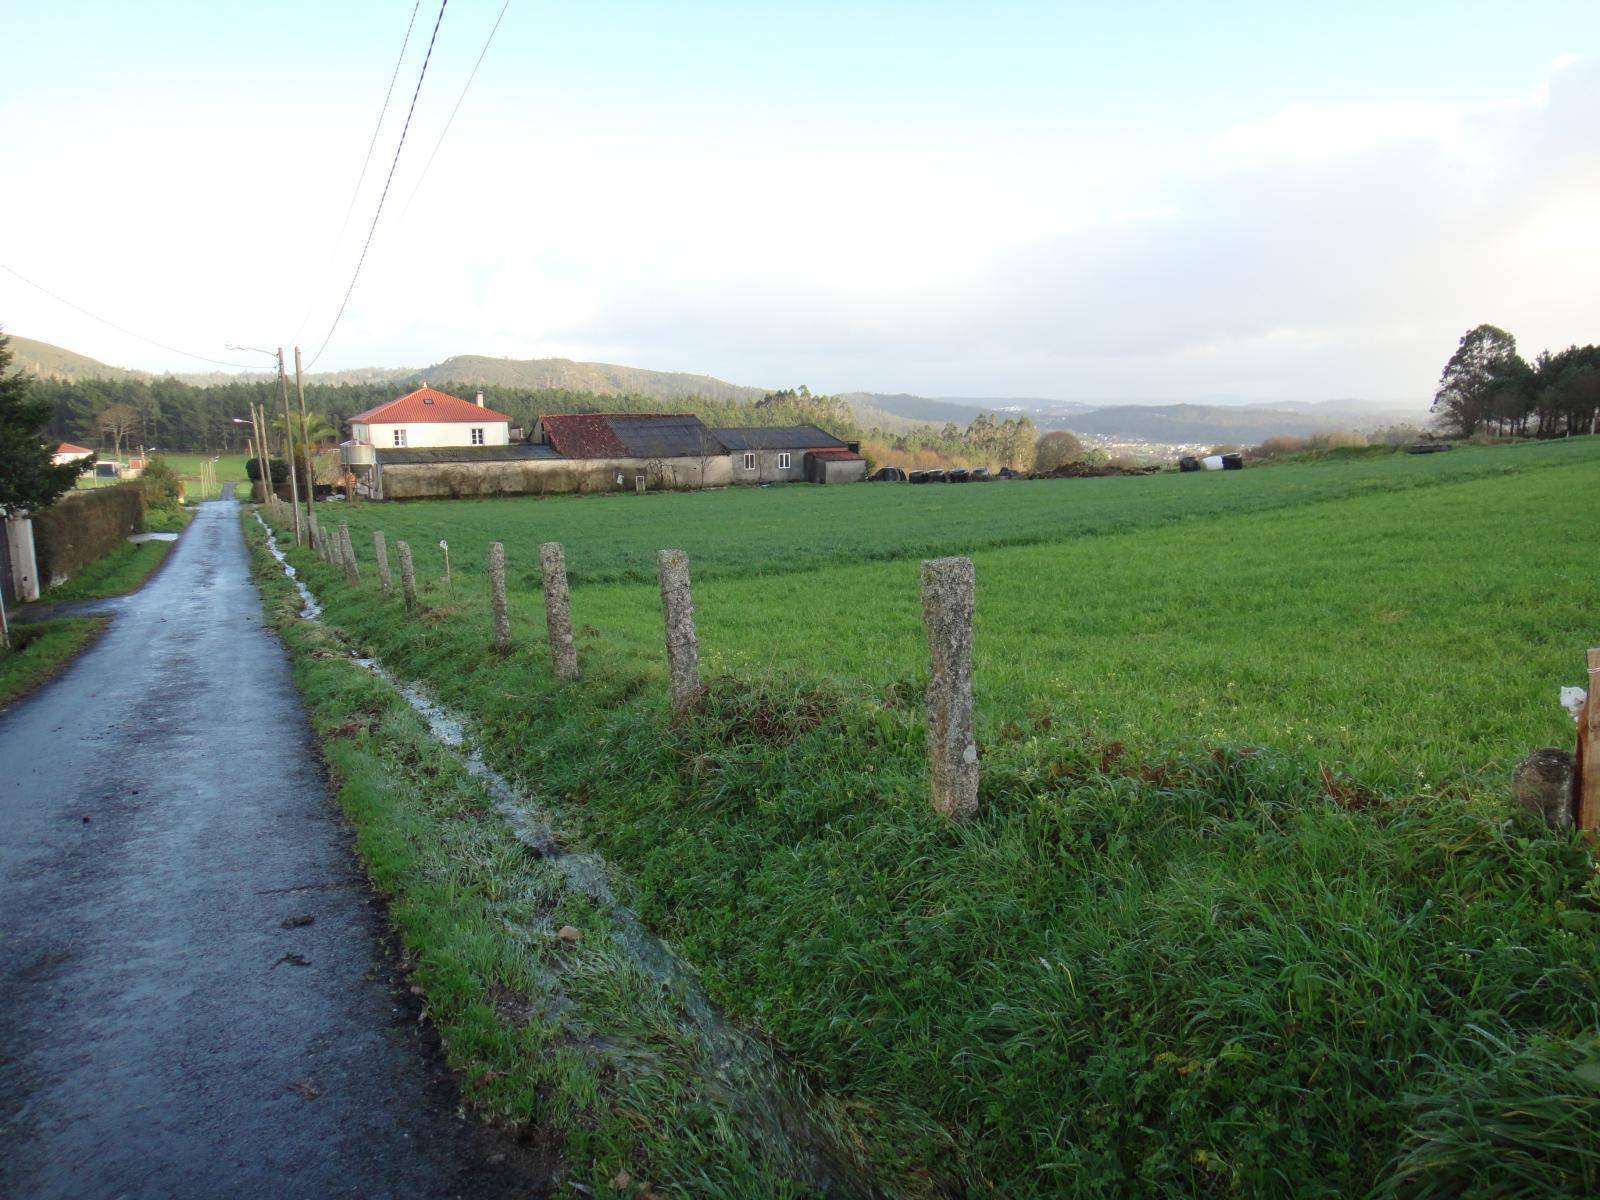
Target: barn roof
[428, 404]
[835, 454]
[665, 436]
[776, 437]
[582, 435]
[69, 448]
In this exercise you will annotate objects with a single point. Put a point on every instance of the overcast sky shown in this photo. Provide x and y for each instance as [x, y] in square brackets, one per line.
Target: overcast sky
[1083, 201]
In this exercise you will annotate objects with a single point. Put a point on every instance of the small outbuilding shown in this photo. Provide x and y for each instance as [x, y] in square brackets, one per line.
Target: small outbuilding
[839, 465]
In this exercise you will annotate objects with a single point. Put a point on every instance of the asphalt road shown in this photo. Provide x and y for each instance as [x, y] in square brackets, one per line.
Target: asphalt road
[162, 1032]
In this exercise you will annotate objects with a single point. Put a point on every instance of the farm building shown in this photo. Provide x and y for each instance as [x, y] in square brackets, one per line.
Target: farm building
[592, 452]
[67, 452]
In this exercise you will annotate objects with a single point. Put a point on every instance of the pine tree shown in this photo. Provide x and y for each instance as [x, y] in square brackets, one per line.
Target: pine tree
[28, 479]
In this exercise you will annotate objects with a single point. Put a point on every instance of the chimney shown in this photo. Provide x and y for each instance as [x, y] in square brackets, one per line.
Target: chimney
[480, 399]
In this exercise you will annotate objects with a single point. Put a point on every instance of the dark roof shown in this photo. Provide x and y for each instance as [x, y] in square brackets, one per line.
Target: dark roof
[835, 454]
[582, 435]
[665, 436]
[777, 437]
[517, 452]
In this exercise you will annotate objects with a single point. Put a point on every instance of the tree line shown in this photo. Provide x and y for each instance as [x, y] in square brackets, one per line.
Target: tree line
[1487, 387]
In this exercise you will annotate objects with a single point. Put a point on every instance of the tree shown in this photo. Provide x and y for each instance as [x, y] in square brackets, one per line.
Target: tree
[28, 478]
[1056, 449]
[1484, 365]
[116, 421]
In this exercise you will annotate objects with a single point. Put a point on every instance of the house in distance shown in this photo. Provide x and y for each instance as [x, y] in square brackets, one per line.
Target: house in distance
[431, 444]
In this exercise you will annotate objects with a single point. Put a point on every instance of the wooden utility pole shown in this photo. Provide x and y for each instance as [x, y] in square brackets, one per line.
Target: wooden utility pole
[264, 470]
[288, 437]
[311, 482]
[1586, 767]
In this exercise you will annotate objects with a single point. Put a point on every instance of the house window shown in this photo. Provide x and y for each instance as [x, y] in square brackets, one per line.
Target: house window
[477, 436]
[783, 461]
[399, 437]
[749, 462]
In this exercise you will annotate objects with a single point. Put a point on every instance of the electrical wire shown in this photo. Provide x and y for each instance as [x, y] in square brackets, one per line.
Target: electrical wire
[120, 328]
[367, 245]
[372, 142]
[445, 132]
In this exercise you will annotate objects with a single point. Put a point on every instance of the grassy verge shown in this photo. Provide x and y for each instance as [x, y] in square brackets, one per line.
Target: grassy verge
[570, 1038]
[1209, 971]
[122, 571]
[39, 651]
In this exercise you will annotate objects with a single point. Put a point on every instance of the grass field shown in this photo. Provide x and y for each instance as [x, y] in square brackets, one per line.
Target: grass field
[115, 574]
[40, 650]
[1170, 956]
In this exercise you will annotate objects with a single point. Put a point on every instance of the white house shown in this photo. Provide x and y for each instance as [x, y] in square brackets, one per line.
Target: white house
[67, 452]
[429, 417]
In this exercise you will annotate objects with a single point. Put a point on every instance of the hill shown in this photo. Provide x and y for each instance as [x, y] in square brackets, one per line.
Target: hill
[52, 362]
[605, 379]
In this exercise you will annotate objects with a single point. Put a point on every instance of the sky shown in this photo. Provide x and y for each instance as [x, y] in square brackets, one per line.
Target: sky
[1145, 202]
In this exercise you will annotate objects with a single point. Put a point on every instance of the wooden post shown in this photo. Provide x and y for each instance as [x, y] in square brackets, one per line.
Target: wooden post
[408, 574]
[497, 597]
[311, 481]
[288, 438]
[948, 586]
[380, 551]
[1586, 775]
[347, 554]
[677, 604]
[558, 610]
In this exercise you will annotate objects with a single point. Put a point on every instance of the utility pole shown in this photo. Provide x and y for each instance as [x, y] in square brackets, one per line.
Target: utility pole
[311, 483]
[288, 437]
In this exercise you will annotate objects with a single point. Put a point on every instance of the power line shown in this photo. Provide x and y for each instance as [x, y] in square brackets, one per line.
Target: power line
[367, 245]
[119, 328]
[457, 108]
[361, 176]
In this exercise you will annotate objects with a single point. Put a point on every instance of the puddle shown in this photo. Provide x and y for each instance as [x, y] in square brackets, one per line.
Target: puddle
[764, 1092]
[136, 538]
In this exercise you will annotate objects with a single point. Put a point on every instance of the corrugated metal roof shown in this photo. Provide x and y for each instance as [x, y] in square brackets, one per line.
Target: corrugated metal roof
[665, 436]
[428, 404]
[463, 454]
[776, 437]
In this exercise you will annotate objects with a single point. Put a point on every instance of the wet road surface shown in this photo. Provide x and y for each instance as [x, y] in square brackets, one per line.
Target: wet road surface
[162, 1033]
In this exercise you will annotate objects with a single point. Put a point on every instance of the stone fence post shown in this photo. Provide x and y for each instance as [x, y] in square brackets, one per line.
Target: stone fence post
[347, 554]
[558, 610]
[380, 551]
[948, 586]
[683, 652]
[497, 597]
[408, 574]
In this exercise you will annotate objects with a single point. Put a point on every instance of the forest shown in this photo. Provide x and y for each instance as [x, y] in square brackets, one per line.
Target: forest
[168, 414]
[1487, 387]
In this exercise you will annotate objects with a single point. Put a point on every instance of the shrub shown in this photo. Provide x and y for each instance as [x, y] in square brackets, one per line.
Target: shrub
[1279, 447]
[1335, 439]
[159, 484]
[1055, 449]
[280, 470]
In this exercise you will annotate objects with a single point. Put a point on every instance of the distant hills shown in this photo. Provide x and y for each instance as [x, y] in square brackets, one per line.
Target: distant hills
[894, 412]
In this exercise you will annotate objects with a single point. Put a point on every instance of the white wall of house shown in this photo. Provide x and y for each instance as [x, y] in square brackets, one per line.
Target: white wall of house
[433, 433]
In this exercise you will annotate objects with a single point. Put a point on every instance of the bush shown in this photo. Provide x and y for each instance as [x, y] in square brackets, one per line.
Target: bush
[82, 526]
[279, 468]
[1055, 449]
[1279, 447]
[159, 484]
[1335, 439]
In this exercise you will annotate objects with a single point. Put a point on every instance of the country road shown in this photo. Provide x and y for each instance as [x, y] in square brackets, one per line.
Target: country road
[171, 1024]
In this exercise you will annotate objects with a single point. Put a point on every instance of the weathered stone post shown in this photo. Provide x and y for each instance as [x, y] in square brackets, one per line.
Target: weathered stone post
[497, 597]
[683, 652]
[408, 574]
[347, 554]
[380, 551]
[947, 605]
[558, 610]
[444, 548]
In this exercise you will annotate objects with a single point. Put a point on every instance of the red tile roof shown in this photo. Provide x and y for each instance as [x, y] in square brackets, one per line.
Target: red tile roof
[69, 448]
[428, 404]
[582, 435]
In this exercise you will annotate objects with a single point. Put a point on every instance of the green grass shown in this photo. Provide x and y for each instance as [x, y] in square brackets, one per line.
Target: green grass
[1188, 965]
[122, 571]
[229, 469]
[782, 530]
[40, 650]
